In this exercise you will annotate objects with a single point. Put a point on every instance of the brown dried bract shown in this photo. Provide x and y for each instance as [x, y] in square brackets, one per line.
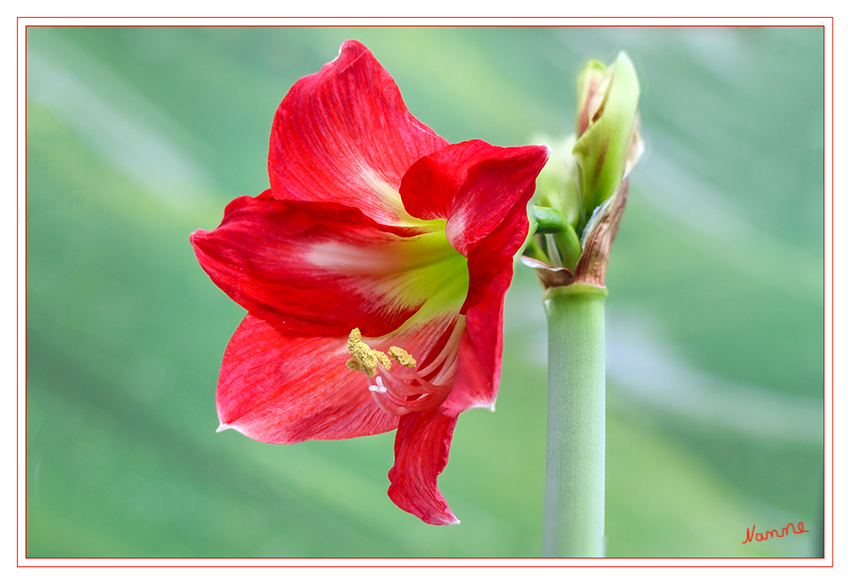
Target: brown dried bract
[593, 263]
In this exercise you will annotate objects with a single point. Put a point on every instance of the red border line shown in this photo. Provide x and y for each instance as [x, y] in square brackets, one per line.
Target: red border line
[686, 18]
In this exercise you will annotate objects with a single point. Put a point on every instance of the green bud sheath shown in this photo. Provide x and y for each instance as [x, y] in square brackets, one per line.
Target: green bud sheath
[610, 111]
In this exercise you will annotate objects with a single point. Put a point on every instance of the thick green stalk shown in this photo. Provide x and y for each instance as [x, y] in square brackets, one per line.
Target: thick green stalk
[574, 522]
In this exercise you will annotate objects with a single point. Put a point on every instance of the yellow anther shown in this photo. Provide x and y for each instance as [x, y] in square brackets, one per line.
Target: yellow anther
[354, 340]
[354, 364]
[362, 353]
[363, 357]
[382, 357]
[402, 356]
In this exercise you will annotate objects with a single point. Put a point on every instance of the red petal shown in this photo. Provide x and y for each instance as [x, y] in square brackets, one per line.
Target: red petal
[483, 190]
[490, 273]
[430, 186]
[472, 184]
[281, 388]
[309, 267]
[337, 128]
[479, 358]
[421, 452]
[490, 261]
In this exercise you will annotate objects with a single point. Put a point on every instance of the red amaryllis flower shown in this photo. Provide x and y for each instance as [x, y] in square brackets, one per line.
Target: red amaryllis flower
[374, 273]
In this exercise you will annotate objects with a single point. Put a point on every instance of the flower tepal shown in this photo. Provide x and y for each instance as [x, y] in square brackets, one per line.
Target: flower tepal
[374, 272]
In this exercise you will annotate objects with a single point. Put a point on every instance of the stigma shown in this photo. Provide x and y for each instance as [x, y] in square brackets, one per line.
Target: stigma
[401, 389]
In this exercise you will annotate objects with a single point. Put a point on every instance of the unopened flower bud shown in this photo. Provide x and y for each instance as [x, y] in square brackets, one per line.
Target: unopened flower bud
[607, 124]
[585, 180]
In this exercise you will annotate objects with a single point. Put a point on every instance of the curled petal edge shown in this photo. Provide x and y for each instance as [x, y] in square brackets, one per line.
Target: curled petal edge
[422, 448]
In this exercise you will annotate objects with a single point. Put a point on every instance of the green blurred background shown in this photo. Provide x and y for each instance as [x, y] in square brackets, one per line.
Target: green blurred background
[138, 136]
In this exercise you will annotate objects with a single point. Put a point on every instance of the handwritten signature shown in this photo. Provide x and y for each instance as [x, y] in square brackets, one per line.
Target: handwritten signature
[774, 533]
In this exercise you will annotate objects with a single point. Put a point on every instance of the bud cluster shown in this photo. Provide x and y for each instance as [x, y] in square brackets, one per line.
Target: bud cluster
[582, 190]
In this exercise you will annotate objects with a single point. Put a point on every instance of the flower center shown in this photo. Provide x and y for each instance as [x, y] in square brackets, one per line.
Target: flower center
[403, 389]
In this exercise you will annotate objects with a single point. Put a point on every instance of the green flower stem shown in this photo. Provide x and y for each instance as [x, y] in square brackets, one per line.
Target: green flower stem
[574, 521]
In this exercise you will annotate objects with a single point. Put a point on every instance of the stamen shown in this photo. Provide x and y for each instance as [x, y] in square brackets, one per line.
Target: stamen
[364, 358]
[402, 357]
[440, 361]
[354, 364]
[384, 360]
[404, 389]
